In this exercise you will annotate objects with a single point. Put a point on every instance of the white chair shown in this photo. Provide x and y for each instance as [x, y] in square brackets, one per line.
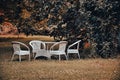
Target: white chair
[71, 50]
[38, 48]
[60, 50]
[18, 51]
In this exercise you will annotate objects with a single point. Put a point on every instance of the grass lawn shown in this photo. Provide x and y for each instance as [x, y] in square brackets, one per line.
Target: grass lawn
[41, 69]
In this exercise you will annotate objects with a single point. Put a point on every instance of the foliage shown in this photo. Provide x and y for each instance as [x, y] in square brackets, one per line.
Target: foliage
[104, 21]
[92, 20]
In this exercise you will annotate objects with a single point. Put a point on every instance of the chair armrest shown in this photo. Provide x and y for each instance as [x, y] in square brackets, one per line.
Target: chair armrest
[16, 42]
[74, 44]
[51, 48]
[58, 43]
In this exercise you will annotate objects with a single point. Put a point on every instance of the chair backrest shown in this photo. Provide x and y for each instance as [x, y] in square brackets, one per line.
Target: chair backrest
[75, 43]
[16, 45]
[61, 45]
[36, 44]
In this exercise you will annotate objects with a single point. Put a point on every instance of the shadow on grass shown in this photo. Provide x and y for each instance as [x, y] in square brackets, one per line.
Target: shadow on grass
[9, 39]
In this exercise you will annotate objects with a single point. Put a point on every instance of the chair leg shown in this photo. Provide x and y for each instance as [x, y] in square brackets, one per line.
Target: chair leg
[12, 57]
[33, 55]
[59, 58]
[66, 57]
[29, 57]
[79, 55]
[20, 58]
[34, 58]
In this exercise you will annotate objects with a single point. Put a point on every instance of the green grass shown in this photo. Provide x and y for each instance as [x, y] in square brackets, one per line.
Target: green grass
[40, 69]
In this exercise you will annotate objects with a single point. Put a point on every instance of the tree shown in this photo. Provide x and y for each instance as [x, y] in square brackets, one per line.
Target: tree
[104, 20]
[93, 20]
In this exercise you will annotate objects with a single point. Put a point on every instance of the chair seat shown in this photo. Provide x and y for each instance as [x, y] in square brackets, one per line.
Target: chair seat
[72, 51]
[22, 52]
[57, 52]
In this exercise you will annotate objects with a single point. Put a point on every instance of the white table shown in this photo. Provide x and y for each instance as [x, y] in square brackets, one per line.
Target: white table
[49, 43]
[45, 52]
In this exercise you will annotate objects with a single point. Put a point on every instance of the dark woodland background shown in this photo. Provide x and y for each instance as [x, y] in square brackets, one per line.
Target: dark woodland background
[95, 22]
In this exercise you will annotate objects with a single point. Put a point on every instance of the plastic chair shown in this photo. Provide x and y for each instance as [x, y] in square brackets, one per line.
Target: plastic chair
[71, 50]
[61, 49]
[18, 51]
[38, 48]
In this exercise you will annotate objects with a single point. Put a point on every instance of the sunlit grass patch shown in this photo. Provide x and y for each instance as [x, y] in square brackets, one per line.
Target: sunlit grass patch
[90, 69]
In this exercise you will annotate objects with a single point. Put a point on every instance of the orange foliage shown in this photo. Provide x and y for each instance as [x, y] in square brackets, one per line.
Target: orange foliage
[86, 45]
[25, 14]
[43, 21]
